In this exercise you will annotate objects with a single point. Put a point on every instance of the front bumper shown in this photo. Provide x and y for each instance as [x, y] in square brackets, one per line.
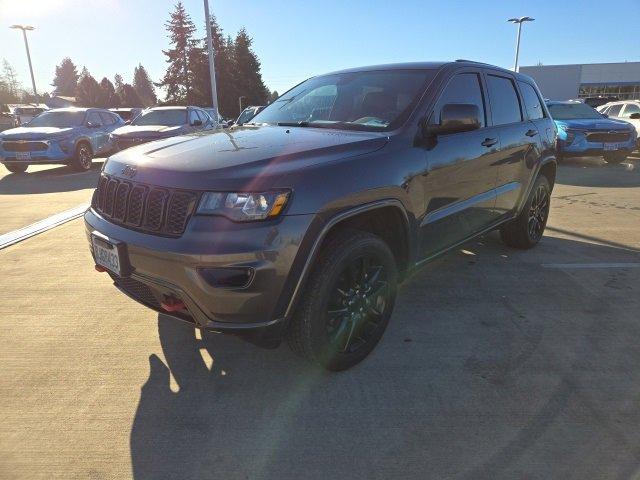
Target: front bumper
[163, 267]
[580, 146]
[52, 154]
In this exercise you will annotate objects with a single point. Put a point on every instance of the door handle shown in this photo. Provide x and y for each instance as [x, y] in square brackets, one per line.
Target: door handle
[489, 142]
[531, 133]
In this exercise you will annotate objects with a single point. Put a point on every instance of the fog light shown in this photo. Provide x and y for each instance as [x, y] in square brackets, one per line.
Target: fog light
[232, 277]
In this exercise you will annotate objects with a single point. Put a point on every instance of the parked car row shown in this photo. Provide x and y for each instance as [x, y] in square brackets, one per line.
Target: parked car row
[73, 136]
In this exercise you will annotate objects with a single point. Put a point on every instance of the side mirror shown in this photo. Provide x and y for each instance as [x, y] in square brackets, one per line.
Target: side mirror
[127, 122]
[456, 118]
[196, 123]
[635, 116]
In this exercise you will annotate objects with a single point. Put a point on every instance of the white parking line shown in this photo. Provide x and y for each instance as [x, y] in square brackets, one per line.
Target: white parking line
[53, 221]
[591, 265]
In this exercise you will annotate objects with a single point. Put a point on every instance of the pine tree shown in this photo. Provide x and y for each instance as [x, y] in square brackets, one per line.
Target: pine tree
[144, 87]
[88, 92]
[66, 79]
[247, 71]
[177, 78]
[118, 81]
[128, 97]
[9, 81]
[108, 97]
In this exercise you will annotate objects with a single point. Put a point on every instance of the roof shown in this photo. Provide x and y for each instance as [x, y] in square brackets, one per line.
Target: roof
[168, 107]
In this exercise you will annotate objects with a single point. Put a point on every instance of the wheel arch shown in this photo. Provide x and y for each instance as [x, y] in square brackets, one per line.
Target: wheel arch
[80, 140]
[371, 217]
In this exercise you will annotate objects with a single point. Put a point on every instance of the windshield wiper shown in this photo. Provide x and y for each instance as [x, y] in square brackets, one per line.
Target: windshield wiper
[293, 124]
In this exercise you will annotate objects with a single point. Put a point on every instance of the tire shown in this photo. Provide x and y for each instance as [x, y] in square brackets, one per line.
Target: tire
[339, 340]
[82, 158]
[16, 167]
[615, 158]
[527, 229]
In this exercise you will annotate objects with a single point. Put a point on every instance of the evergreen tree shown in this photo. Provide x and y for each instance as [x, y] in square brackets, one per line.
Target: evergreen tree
[247, 71]
[88, 92]
[66, 79]
[128, 97]
[9, 82]
[108, 97]
[118, 81]
[177, 78]
[143, 86]
[273, 96]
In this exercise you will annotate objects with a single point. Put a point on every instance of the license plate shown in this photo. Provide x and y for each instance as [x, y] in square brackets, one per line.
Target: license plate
[106, 254]
[611, 146]
[23, 155]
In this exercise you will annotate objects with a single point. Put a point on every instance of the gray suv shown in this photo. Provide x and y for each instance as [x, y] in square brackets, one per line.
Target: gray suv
[301, 224]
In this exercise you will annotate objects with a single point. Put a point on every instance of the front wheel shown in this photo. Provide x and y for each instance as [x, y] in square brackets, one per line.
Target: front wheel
[615, 157]
[82, 159]
[526, 230]
[16, 167]
[347, 302]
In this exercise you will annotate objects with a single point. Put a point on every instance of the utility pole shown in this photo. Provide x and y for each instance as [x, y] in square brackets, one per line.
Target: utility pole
[519, 21]
[24, 29]
[212, 68]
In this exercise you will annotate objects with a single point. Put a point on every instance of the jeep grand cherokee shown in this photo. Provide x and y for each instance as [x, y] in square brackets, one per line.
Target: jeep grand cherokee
[300, 224]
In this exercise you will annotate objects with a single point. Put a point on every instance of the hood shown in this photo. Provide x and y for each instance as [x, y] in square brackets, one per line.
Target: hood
[34, 133]
[143, 131]
[595, 124]
[236, 158]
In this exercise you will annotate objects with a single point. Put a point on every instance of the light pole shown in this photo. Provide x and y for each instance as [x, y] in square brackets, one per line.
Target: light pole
[240, 102]
[24, 29]
[519, 22]
[212, 69]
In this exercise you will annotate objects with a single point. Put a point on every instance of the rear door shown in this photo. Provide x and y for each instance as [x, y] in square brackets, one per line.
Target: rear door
[629, 109]
[461, 171]
[519, 140]
[97, 134]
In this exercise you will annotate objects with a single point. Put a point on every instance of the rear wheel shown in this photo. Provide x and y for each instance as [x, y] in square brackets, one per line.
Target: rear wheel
[16, 167]
[527, 229]
[615, 157]
[347, 302]
[82, 158]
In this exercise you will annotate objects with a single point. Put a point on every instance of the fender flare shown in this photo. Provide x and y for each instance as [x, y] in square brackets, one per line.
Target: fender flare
[327, 227]
[545, 161]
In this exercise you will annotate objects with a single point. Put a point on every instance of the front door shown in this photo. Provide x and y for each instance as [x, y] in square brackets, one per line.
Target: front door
[459, 184]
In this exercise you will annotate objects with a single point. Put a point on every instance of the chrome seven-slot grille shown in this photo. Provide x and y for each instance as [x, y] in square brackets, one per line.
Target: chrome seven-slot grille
[152, 209]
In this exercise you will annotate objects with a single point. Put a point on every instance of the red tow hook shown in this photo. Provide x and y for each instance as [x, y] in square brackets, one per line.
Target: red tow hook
[100, 268]
[171, 304]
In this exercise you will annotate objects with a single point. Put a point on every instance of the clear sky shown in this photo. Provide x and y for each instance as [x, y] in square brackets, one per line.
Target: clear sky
[295, 39]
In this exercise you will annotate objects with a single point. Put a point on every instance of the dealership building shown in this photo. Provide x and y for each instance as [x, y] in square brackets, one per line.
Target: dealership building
[564, 82]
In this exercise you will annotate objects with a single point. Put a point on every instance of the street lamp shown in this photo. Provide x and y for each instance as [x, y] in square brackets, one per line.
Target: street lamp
[240, 102]
[24, 29]
[519, 22]
[212, 70]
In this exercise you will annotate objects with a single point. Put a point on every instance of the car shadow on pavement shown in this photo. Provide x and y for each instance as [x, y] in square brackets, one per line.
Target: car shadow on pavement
[59, 179]
[595, 172]
[497, 364]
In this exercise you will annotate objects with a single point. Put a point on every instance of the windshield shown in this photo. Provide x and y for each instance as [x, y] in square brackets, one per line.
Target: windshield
[375, 100]
[169, 118]
[572, 111]
[246, 115]
[28, 111]
[57, 119]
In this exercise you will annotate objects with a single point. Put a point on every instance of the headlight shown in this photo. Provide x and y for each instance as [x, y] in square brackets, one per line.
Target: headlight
[243, 206]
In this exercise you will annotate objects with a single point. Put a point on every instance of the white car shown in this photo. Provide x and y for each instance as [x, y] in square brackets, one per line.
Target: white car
[627, 110]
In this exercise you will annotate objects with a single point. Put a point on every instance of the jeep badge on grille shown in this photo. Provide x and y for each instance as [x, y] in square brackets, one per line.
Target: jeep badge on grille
[129, 171]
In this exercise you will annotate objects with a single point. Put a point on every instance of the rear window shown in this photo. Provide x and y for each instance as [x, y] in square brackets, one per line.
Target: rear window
[505, 107]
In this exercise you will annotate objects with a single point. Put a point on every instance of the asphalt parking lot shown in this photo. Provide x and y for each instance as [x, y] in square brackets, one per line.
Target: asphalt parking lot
[497, 363]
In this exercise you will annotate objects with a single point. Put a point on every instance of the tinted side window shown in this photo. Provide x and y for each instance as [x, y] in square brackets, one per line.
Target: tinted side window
[614, 111]
[630, 109]
[505, 107]
[463, 88]
[94, 118]
[107, 118]
[532, 102]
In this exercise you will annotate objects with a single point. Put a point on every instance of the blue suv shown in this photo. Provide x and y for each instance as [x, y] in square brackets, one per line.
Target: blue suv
[584, 132]
[71, 136]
